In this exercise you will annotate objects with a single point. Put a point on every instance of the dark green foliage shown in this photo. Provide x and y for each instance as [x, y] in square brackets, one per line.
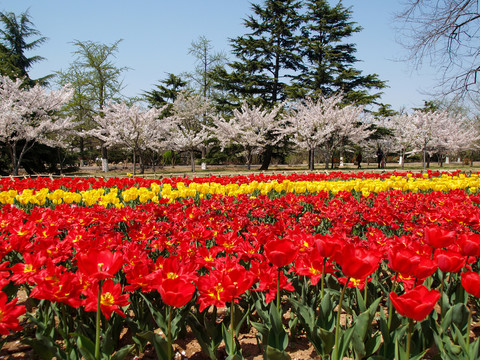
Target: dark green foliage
[265, 55]
[14, 33]
[165, 93]
[328, 59]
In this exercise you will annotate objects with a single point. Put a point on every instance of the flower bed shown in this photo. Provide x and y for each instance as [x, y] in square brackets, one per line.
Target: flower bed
[363, 264]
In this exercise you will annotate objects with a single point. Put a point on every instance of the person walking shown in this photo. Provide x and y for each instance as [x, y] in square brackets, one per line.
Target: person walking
[379, 157]
[359, 160]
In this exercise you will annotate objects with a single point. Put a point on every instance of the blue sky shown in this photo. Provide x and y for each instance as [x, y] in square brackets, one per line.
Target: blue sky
[158, 33]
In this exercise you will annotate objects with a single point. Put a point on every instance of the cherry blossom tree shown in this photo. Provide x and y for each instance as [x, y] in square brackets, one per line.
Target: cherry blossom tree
[310, 123]
[188, 128]
[327, 124]
[132, 127]
[433, 132]
[252, 128]
[383, 138]
[31, 115]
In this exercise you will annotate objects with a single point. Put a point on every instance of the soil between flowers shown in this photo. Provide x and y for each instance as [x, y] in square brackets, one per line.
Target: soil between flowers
[184, 348]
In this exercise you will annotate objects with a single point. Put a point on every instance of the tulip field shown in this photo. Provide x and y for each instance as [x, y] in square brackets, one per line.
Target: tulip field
[359, 266]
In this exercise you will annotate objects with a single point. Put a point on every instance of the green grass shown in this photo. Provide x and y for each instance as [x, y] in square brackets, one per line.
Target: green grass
[184, 170]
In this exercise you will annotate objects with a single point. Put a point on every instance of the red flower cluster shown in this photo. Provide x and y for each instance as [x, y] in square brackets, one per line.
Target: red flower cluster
[212, 251]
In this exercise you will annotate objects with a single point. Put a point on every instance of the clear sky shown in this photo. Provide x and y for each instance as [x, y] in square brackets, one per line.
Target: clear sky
[158, 33]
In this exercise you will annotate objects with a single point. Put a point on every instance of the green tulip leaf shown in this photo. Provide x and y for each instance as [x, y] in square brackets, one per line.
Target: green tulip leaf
[123, 352]
[276, 354]
[328, 340]
[207, 332]
[86, 347]
[343, 345]
[278, 337]
[159, 343]
[361, 303]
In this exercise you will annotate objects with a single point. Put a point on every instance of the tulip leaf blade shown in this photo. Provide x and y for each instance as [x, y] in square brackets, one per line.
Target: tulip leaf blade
[86, 347]
[457, 315]
[276, 354]
[123, 352]
[159, 343]
[207, 332]
[344, 343]
[363, 323]
[278, 337]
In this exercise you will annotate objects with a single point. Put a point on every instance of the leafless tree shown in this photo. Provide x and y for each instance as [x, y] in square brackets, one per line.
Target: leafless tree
[447, 33]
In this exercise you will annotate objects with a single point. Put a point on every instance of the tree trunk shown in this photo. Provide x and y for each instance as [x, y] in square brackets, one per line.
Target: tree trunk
[60, 160]
[104, 159]
[134, 170]
[142, 164]
[82, 150]
[16, 161]
[326, 155]
[267, 157]
[311, 159]
[424, 159]
[192, 159]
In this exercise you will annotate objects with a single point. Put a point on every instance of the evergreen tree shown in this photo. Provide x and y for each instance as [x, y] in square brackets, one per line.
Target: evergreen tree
[295, 49]
[165, 93]
[205, 61]
[97, 80]
[266, 58]
[14, 33]
[265, 55]
[329, 59]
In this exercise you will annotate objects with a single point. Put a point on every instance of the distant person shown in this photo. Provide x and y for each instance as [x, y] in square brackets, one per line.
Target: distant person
[359, 160]
[379, 157]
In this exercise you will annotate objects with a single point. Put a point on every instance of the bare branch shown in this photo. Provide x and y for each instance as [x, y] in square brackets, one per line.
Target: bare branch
[446, 32]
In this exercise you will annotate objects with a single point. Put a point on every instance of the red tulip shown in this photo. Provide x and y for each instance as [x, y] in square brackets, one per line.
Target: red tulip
[438, 237]
[357, 262]
[354, 283]
[425, 268]
[328, 246]
[415, 304]
[100, 265]
[268, 280]
[176, 292]
[471, 283]
[403, 260]
[281, 252]
[9, 314]
[211, 291]
[469, 244]
[450, 261]
[111, 299]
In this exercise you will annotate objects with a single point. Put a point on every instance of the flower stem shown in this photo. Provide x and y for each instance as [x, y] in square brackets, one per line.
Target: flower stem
[469, 322]
[409, 337]
[365, 292]
[232, 320]
[169, 335]
[441, 293]
[278, 291]
[337, 328]
[97, 324]
[390, 305]
[322, 281]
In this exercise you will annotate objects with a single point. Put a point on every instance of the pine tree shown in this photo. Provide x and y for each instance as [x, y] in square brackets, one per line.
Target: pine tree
[14, 33]
[329, 59]
[266, 57]
[165, 93]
